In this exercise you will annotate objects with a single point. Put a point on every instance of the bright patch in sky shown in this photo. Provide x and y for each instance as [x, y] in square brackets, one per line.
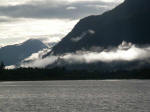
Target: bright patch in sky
[29, 28]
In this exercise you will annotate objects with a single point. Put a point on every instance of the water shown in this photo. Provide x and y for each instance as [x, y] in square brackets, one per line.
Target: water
[75, 96]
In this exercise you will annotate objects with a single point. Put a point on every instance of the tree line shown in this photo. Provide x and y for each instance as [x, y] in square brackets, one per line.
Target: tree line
[61, 73]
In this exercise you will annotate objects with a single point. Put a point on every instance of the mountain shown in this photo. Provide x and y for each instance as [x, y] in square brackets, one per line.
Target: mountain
[128, 22]
[13, 54]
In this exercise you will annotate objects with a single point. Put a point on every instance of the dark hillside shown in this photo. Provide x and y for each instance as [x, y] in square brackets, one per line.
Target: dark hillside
[129, 22]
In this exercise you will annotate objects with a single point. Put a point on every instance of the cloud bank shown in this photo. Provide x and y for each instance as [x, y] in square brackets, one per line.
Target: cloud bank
[124, 52]
[54, 9]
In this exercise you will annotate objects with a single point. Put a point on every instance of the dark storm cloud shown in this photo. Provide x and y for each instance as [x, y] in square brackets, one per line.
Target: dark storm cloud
[73, 10]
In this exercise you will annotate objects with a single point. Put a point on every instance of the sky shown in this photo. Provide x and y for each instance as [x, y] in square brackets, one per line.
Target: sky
[48, 20]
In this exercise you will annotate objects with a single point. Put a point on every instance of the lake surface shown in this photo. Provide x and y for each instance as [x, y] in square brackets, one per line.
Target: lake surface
[75, 96]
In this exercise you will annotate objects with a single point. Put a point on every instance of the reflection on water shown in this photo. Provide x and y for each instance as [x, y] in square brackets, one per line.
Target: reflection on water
[75, 96]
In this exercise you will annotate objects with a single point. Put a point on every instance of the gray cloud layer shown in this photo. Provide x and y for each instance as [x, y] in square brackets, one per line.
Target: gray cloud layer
[54, 10]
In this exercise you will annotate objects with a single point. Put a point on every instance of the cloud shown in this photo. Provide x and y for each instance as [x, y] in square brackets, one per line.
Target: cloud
[76, 39]
[41, 63]
[5, 19]
[36, 60]
[71, 8]
[118, 55]
[23, 29]
[10, 67]
[127, 54]
[24, 19]
[55, 9]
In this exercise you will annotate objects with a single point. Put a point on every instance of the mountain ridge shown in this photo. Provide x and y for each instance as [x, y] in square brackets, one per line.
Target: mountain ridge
[127, 22]
[13, 54]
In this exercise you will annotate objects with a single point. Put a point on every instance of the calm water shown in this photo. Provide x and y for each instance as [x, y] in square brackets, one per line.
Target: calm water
[75, 96]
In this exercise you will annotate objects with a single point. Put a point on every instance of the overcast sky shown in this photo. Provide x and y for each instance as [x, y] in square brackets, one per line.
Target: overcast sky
[49, 20]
